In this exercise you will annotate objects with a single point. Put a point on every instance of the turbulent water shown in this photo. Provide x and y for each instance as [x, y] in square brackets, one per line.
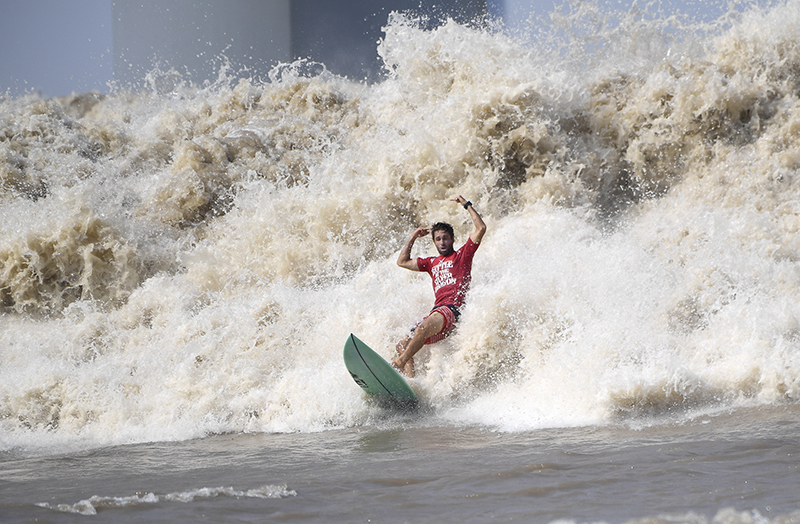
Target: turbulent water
[179, 262]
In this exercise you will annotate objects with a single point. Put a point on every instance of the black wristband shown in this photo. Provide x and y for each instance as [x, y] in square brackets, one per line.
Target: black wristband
[467, 204]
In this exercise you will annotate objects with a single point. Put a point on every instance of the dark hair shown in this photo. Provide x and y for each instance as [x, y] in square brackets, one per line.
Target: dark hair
[442, 226]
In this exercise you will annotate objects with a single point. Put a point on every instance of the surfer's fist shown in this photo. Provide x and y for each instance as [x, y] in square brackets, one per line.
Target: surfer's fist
[460, 199]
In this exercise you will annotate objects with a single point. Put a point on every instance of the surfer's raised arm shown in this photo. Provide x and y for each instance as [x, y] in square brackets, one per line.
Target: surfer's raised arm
[405, 260]
[477, 221]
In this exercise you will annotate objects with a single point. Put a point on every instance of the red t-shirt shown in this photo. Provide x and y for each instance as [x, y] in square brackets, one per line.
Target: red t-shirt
[451, 275]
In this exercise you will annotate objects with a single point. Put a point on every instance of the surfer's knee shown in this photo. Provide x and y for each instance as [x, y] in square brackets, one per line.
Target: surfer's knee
[433, 324]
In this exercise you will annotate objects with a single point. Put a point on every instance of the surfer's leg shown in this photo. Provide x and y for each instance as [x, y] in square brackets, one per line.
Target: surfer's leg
[408, 369]
[432, 325]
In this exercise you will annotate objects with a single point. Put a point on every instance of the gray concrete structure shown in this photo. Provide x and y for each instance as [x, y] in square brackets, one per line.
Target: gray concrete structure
[191, 37]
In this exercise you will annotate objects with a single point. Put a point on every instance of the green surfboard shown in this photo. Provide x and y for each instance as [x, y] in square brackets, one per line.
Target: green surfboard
[376, 376]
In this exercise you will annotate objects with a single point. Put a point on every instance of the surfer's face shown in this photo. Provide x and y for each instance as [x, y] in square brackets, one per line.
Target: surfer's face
[443, 242]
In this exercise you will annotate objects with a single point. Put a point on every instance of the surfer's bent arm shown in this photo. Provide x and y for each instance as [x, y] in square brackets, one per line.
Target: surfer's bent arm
[405, 260]
[477, 221]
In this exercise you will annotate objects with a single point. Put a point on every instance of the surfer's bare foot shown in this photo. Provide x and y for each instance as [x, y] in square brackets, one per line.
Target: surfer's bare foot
[400, 348]
[406, 368]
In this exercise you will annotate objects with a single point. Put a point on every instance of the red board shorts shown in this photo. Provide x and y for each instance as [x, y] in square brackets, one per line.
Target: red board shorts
[450, 314]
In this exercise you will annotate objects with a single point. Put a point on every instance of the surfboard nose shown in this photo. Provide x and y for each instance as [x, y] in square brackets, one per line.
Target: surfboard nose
[373, 374]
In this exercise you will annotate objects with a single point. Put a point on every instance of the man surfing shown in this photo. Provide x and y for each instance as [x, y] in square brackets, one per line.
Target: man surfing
[451, 273]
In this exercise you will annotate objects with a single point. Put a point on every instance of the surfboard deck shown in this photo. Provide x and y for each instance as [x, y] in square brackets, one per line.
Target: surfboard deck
[376, 376]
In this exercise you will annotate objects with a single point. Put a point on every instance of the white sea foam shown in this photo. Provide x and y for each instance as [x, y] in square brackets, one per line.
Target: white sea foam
[175, 264]
[91, 505]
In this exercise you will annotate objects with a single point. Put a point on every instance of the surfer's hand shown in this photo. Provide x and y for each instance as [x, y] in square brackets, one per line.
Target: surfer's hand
[460, 199]
[421, 231]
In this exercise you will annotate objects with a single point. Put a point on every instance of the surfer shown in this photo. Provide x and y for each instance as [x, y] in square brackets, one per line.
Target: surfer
[451, 275]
